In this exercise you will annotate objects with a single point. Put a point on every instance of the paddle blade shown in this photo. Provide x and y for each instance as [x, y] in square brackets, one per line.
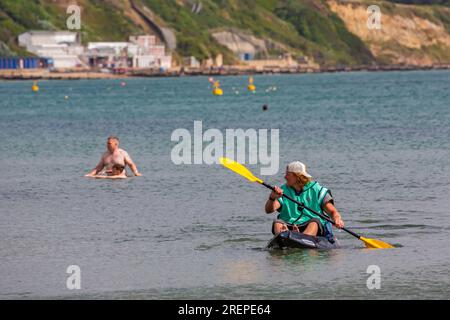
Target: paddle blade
[239, 169]
[375, 244]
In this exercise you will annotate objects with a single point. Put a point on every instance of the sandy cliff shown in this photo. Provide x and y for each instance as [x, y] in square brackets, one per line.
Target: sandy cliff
[408, 34]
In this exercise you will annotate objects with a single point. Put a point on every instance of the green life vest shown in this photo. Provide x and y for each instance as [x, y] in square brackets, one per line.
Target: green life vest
[311, 196]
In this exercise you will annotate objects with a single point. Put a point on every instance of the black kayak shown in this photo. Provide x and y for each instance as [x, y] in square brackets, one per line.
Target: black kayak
[292, 239]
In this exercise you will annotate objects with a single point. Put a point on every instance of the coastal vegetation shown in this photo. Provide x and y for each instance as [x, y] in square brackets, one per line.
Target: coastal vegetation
[317, 29]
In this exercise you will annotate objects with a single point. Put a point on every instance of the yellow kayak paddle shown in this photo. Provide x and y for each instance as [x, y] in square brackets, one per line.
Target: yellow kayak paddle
[243, 171]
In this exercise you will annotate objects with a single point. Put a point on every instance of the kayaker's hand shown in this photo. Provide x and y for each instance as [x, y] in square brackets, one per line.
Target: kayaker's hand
[339, 222]
[277, 193]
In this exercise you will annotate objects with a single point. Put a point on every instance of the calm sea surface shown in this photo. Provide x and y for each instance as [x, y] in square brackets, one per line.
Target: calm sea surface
[379, 141]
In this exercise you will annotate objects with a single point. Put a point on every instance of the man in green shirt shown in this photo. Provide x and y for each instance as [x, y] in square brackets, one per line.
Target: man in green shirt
[300, 186]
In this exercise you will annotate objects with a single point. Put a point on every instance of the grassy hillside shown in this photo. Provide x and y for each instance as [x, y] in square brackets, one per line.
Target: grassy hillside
[333, 43]
[301, 27]
[101, 20]
[17, 16]
[297, 24]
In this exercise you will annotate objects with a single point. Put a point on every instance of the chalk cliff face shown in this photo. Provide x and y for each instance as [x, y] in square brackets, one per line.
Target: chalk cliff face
[409, 34]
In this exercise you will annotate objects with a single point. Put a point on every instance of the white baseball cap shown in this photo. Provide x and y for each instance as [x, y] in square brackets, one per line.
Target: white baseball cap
[298, 167]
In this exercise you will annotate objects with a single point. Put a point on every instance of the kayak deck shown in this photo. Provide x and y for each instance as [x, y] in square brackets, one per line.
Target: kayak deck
[292, 239]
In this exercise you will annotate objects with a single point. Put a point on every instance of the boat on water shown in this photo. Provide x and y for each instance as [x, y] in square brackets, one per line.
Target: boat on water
[293, 239]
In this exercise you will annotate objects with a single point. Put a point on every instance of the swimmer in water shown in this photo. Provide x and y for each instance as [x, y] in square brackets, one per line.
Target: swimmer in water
[117, 172]
[113, 155]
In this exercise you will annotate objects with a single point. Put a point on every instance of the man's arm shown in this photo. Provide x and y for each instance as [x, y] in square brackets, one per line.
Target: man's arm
[334, 213]
[130, 163]
[272, 204]
[97, 169]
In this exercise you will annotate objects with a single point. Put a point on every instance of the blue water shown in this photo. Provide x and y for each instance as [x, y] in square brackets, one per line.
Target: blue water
[379, 141]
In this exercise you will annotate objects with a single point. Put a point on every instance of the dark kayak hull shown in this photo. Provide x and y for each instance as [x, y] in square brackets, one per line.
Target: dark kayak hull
[290, 239]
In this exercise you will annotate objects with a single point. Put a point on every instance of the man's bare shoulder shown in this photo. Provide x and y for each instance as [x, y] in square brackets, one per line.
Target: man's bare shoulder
[124, 153]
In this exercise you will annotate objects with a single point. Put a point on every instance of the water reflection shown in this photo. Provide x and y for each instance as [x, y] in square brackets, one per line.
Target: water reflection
[242, 272]
[307, 259]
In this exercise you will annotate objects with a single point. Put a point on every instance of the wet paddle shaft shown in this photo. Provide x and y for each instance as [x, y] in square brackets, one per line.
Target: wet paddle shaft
[243, 171]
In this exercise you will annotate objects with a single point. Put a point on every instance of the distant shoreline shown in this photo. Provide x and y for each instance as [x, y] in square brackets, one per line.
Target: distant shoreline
[43, 74]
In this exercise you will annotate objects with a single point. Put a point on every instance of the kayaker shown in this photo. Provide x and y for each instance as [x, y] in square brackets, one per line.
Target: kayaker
[114, 155]
[300, 186]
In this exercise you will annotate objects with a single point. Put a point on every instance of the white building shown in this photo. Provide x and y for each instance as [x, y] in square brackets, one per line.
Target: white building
[165, 62]
[116, 47]
[39, 38]
[142, 52]
[143, 41]
[192, 62]
[108, 54]
[65, 50]
[63, 47]
[149, 53]
[143, 62]
[157, 51]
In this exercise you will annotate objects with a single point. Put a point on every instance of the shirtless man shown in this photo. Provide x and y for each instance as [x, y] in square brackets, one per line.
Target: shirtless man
[114, 155]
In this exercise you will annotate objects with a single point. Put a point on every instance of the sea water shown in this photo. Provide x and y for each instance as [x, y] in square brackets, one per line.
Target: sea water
[379, 141]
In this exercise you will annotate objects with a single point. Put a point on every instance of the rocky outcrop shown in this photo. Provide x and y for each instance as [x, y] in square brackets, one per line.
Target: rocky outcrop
[241, 43]
[406, 36]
